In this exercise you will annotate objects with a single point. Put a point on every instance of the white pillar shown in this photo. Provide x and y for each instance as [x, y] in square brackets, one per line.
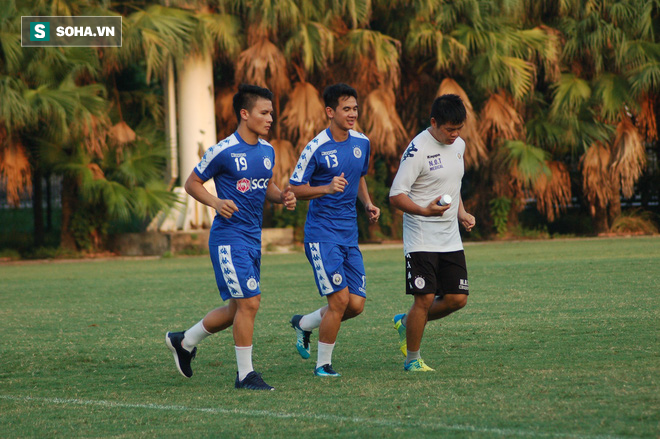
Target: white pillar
[195, 103]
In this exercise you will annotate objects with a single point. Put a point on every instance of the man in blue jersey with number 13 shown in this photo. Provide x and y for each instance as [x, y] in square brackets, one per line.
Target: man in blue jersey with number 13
[330, 173]
[242, 168]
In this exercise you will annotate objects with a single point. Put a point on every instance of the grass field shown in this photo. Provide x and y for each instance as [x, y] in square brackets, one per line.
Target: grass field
[560, 339]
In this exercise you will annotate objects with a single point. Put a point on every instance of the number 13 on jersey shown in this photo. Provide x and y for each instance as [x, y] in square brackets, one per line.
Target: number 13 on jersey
[331, 160]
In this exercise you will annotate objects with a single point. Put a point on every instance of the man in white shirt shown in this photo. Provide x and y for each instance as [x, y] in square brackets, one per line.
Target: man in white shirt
[436, 272]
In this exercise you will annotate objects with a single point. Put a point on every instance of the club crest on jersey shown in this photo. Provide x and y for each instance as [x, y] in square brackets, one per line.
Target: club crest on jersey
[357, 152]
[458, 154]
[336, 278]
[267, 163]
[252, 283]
[420, 283]
[243, 185]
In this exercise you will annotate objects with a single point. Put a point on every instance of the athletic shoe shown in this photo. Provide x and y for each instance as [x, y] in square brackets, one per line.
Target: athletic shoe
[252, 381]
[326, 371]
[302, 342]
[182, 357]
[403, 343]
[417, 366]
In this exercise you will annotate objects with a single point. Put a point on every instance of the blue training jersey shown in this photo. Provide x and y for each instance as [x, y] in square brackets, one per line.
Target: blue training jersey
[333, 217]
[241, 173]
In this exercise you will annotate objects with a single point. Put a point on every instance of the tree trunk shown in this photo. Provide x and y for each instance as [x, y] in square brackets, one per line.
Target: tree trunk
[49, 205]
[69, 202]
[613, 211]
[37, 207]
[600, 217]
[614, 207]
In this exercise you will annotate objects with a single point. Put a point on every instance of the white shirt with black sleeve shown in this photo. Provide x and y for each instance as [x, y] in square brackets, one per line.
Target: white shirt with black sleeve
[429, 169]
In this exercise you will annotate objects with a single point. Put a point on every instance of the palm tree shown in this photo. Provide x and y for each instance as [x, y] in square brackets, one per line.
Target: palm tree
[611, 49]
[62, 114]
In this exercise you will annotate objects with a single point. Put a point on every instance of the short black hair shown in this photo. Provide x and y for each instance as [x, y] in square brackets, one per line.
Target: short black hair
[247, 96]
[448, 109]
[332, 93]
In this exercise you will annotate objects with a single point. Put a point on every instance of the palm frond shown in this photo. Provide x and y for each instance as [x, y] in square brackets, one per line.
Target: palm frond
[500, 119]
[313, 44]
[552, 61]
[303, 115]
[151, 199]
[15, 169]
[11, 50]
[224, 112]
[15, 111]
[275, 16]
[529, 160]
[121, 134]
[475, 38]
[613, 92]
[570, 93]
[375, 57]
[156, 34]
[645, 78]
[382, 123]
[263, 64]
[596, 181]
[357, 12]
[522, 75]
[285, 161]
[553, 192]
[629, 159]
[426, 39]
[219, 32]
[646, 119]
[475, 150]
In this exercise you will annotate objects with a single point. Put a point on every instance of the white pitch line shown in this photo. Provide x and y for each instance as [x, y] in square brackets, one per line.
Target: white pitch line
[310, 416]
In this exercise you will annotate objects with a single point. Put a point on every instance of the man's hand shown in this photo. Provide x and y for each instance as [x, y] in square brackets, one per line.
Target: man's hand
[372, 212]
[434, 209]
[337, 184]
[288, 198]
[226, 208]
[467, 221]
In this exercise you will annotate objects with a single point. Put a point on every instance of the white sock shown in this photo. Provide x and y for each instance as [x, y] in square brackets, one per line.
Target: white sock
[244, 361]
[194, 335]
[324, 354]
[311, 320]
[412, 356]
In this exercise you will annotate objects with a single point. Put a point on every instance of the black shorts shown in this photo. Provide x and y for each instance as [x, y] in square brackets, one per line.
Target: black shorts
[436, 273]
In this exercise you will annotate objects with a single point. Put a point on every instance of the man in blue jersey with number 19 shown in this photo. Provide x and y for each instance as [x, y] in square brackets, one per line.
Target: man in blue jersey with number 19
[330, 173]
[242, 168]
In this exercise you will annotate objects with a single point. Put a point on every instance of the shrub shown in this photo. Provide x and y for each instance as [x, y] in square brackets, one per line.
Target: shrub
[635, 221]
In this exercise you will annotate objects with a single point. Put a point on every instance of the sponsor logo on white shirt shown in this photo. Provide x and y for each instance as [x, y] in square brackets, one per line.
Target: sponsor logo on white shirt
[435, 163]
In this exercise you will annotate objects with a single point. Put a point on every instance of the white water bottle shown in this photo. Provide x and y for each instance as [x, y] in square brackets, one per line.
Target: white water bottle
[446, 199]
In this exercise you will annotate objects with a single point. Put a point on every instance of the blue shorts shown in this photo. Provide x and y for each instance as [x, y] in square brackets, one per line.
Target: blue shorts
[337, 267]
[237, 270]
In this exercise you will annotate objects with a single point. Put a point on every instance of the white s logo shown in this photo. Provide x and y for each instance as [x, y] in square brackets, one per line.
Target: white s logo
[39, 31]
